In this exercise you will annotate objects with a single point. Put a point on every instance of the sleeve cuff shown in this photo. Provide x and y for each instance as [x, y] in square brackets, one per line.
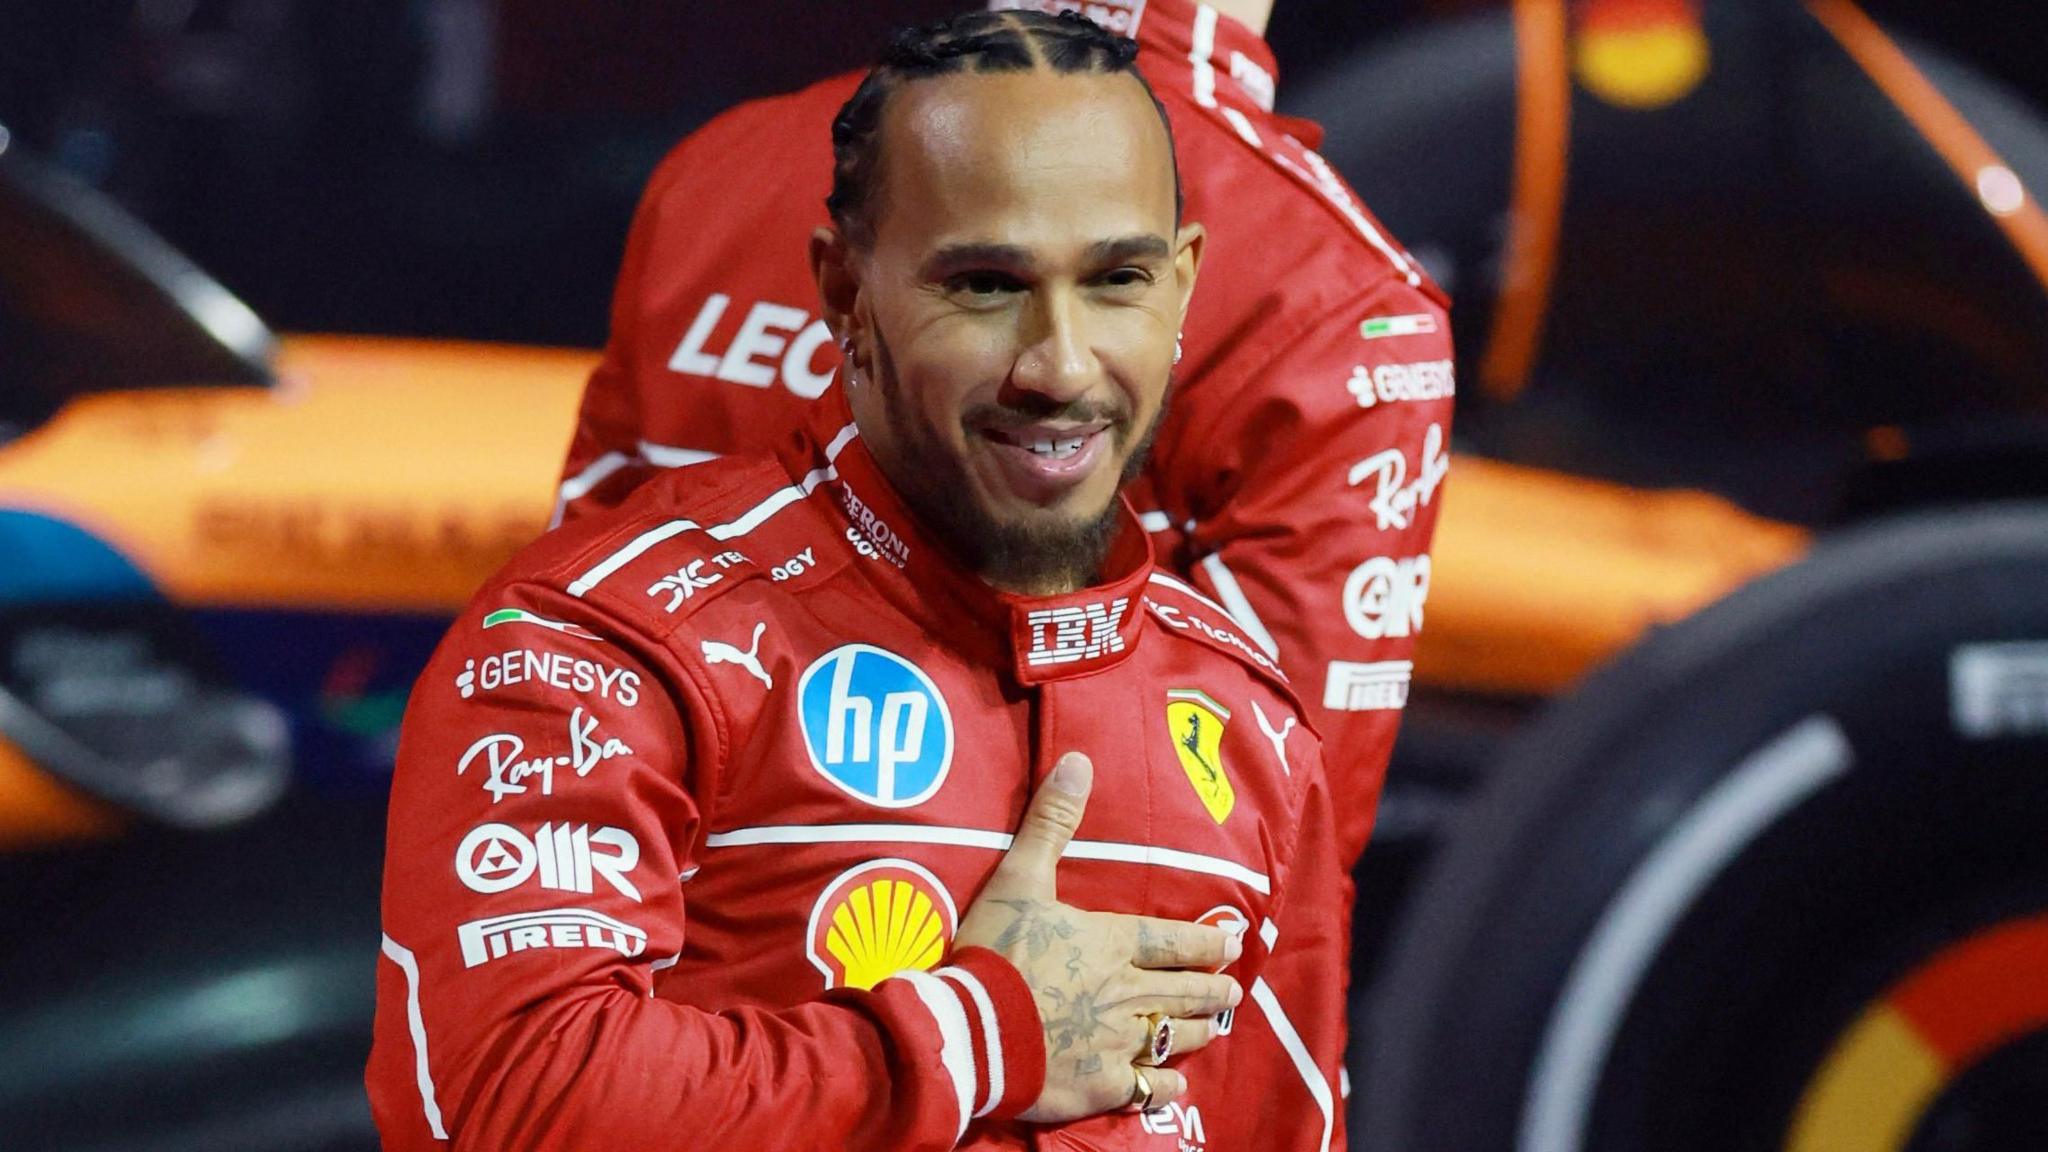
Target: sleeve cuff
[992, 1044]
[1009, 1017]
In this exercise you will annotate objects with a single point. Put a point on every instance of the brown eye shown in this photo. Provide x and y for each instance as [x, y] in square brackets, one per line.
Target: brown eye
[983, 283]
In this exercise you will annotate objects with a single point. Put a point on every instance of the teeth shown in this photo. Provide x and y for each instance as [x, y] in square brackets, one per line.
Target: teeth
[1057, 449]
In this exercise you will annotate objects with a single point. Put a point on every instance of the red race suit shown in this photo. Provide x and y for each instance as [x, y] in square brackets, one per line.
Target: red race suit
[1296, 474]
[692, 797]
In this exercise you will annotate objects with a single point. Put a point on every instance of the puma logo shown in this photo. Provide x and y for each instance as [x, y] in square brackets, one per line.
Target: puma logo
[716, 652]
[1278, 738]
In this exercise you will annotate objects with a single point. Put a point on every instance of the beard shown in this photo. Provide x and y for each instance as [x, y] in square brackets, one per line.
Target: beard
[1042, 554]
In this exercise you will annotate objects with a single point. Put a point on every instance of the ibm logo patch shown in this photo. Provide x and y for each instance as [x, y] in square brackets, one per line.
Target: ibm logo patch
[1064, 635]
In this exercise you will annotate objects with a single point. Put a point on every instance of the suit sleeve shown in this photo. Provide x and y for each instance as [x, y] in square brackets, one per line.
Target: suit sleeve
[1287, 1046]
[541, 821]
[1313, 487]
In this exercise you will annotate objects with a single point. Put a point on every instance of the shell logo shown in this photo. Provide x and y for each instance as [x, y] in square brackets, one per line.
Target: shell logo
[877, 919]
[1640, 54]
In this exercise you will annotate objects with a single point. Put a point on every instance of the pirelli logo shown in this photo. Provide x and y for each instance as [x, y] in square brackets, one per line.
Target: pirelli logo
[1380, 687]
[486, 940]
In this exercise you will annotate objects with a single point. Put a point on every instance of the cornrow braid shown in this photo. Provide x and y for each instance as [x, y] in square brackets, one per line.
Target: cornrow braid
[1068, 44]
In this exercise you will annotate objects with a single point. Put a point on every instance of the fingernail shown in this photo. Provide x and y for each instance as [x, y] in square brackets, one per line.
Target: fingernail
[1236, 995]
[1233, 947]
[1068, 776]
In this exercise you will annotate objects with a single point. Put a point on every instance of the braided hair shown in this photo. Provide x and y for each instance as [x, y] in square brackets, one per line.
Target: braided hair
[1068, 44]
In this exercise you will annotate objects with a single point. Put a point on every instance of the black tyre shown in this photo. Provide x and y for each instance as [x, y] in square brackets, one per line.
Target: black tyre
[1775, 879]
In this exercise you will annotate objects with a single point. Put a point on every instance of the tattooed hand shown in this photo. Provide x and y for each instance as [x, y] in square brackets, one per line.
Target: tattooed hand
[1095, 975]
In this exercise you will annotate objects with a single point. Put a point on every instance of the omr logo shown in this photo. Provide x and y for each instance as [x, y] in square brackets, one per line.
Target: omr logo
[875, 725]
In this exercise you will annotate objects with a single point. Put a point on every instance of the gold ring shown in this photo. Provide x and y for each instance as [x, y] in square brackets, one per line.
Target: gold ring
[1158, 1040]
[1141, 1093]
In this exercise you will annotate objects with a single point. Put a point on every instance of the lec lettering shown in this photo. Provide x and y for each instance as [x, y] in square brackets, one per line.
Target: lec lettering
[774, 340]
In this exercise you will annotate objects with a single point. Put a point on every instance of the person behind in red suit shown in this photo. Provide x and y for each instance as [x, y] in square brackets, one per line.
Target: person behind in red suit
[1295, 478]
[757, 812]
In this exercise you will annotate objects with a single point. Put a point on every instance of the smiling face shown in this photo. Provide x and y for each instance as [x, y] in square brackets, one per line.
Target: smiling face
[1013, 321]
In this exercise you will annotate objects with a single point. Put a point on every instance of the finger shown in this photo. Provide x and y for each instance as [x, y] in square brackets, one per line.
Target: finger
[1049, 823]
[1191, 1035]
[1167, 1086]
[1187, 1035]
[1179, 944]
[1184, 994]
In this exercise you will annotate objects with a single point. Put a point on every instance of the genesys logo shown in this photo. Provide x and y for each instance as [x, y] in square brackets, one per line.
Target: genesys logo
[1374, 687]
[507, 769]
[497, 937]
[1385, 597]
[1394, 383]
[1395, 495]
[548, 669]
[1075, 632]
[875, 725]
[498, 858]
[774, 342]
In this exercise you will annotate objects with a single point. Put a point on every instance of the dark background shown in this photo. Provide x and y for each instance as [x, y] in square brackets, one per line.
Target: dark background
[467, 168]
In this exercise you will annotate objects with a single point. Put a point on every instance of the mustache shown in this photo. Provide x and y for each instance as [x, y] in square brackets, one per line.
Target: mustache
[1030, 410]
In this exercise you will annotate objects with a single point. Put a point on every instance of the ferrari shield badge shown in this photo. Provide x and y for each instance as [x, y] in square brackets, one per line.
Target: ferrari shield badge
[1196, 722]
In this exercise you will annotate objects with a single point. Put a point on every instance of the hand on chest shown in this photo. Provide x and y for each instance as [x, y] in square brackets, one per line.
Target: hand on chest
[875, 784]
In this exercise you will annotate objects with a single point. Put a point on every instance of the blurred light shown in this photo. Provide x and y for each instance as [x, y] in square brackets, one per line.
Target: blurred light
[5, 139]
[148, 1021]
[165, 15]
[86, 152]
[2000, 190]
[228, 319]
[1887, 442]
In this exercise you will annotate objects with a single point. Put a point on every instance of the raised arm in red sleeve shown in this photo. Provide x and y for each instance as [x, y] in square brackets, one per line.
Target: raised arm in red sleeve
[542, 832]
[1302, 481]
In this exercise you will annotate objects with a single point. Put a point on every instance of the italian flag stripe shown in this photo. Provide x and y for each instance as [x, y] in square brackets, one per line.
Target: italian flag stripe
[1419, 324]
[517, 616]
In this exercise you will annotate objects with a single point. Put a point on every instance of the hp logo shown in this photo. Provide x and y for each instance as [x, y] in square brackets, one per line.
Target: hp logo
[875, 725]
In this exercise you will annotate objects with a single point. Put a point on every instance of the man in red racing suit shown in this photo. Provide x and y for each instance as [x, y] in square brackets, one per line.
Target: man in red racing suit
[1294, 480]
[698, 802]
[677, 830]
